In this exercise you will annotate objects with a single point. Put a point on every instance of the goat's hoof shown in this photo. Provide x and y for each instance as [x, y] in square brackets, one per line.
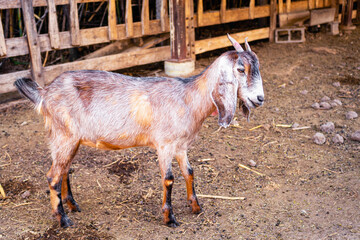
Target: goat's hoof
[75, 208]
[65, 222]
[173, 223]
[197, 210]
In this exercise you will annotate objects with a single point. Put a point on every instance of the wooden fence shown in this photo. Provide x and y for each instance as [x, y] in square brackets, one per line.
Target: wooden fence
[34, 44]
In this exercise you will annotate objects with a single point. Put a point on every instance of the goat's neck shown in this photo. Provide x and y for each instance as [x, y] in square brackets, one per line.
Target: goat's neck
[200, 92]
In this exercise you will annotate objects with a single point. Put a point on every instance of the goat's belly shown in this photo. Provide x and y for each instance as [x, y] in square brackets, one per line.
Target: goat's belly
[139, 140]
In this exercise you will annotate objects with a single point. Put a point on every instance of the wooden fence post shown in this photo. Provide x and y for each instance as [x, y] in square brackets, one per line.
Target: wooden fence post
[53, 25]
[33, 41]
[181, 38]
[272, 20]
[112, 20]
[346, 18]
[2, 40]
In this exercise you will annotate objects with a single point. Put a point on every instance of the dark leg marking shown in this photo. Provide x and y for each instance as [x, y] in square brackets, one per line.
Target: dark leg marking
[169, 217]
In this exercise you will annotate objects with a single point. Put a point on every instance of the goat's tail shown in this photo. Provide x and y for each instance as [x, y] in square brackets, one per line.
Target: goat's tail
[29, 89]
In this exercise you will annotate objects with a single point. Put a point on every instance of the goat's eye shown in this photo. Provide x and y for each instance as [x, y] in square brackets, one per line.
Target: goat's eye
[241, 70]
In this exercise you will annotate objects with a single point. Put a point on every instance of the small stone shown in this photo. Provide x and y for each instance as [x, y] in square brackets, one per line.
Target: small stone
[315, 106]
[304, 92]
[336, 84]
[338, 102]
[327, 127]
[355, 136]
[277, 109]
[307, 78]
[252, 163]
[338, 139]
[295, 125]
[351, 115]
[319, 138]
[304, 213]
[325, 99]
[291, 82]
[23, 123]
[325, 105]
[25, 194]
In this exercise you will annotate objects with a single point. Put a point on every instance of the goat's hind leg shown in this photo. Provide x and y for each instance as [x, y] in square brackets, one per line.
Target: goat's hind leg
[66, 194]
[62, 151]
[188, 174]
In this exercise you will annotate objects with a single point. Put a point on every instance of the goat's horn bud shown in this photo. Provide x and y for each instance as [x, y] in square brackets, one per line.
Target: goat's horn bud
[236, 45]
[247, 46]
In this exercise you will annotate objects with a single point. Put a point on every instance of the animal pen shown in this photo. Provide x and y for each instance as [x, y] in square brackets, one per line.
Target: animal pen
[175, 20]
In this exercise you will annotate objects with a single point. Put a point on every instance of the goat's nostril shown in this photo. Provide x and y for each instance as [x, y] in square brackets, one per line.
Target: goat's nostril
[260, 98]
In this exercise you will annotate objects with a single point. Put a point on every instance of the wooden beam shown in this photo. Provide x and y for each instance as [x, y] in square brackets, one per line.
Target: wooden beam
[145, 17]
[129, 19]
[8, 4]
[33, 41]
[200, 11]
[53, 25]
[2, 40]
[106, 63]
[164, 16]
[112, 20]
[74, 24]
[272, 20]
[281, 6]
[223, 10]
[190, 29]
[210, 44]
[252, 9]
[311, 4]
[17, 46]
[288, 6]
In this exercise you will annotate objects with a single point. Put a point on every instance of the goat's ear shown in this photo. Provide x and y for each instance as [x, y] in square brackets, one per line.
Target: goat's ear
[224, 96]
[245, 110]
[236, 45]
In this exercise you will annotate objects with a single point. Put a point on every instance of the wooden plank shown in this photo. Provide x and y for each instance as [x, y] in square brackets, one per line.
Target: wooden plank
[317, 3]
[190, 29]
[281, 6]
[210, 44]
[53, 25]
[74, 24]
[90, 36]
[7, 4]
[200, 11]
[288, 6]
[321, 16]
[129, 19]
[145, 17]
[164, 16]
[311, 4]
[293, 18]
[33, 41]
[223, 10]
[2, 40]
[252, 9]
[106, 63]
[272, 20]
[112, 21]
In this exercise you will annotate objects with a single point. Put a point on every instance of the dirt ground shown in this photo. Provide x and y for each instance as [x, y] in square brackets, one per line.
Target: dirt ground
[300, 190]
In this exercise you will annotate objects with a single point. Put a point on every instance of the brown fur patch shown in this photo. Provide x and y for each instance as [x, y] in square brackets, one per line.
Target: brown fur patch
[247, 72]
[181, 112]
[202, 86]
[85, 91]
[141, 109]
[141, 140]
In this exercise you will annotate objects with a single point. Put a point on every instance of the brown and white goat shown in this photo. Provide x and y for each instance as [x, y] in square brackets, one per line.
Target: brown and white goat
[113, 111]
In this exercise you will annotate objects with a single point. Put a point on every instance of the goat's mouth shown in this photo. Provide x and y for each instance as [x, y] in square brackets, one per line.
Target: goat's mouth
[253, 104]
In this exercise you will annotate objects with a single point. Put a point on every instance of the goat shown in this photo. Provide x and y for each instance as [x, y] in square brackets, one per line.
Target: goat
[113, 111]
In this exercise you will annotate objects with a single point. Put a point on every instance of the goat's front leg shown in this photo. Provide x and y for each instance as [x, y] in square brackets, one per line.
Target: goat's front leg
[188, 174]
[167, 179]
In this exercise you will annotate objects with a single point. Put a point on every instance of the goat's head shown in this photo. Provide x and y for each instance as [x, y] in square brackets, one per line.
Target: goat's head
[239, 78]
